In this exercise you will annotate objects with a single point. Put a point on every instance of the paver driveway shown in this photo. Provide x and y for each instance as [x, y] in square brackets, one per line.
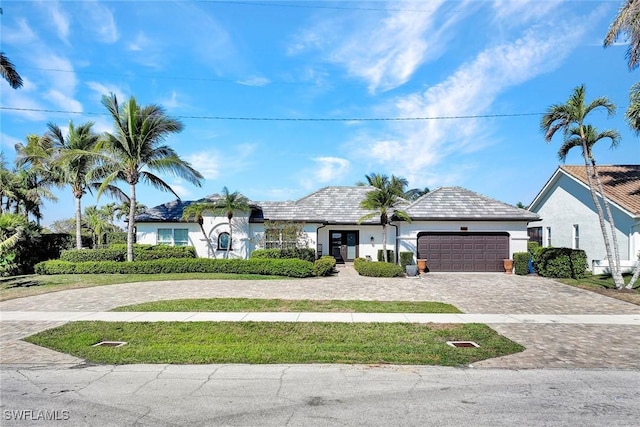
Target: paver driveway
[549, 345]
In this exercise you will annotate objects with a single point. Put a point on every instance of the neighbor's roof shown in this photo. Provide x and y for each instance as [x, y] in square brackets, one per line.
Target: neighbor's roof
[341, 205]
[456, 203]
[621, 183]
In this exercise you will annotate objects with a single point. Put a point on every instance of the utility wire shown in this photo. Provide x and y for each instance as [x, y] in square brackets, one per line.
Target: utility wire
[296, 119]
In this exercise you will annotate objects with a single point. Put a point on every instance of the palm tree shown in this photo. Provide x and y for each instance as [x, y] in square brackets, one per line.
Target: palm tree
[627, 22]
[136, 150]
[12, 230]
[228, 204]
[195, 211]
[8, 185]
[8, 70]
[75, 158]
[416, 193]
[384, 201]
[633, 111]
[98, 222]
[570, 118]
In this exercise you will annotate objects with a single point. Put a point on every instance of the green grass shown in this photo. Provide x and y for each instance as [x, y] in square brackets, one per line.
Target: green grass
[280, 305]
[22, 286]
[275, 342]
[603, 281]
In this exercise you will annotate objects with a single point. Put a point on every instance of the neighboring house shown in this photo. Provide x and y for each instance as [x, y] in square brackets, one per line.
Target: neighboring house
[569, 218]
[453, 228]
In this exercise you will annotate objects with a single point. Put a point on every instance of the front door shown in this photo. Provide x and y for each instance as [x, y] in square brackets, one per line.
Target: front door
[344, 245]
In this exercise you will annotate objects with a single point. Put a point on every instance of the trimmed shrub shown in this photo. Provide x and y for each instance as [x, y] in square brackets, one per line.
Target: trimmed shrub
[324, 266]
[306, 254]
[151, 252]
[562, 263]
[390, 255]
[377, 269]
[406, 258]
[272, 267]
[83, 255]
[521, 263]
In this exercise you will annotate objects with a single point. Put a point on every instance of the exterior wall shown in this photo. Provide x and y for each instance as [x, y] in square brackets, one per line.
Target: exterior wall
[517, 230]
[566, 203]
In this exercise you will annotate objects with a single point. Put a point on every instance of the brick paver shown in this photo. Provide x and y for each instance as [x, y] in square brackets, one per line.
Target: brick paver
[596, 346]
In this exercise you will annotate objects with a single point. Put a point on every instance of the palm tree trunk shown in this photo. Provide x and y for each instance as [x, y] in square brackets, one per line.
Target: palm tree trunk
[594, 197]
[131, 225]
[204, 234]
[230, 240]
[78, 223]
[384, 242]
[615, 269]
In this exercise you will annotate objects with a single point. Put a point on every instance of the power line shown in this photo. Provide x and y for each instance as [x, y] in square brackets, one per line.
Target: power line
[297, 119]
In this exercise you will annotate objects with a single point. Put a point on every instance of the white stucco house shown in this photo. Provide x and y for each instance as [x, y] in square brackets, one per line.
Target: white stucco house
[453, 228]
[569, 218]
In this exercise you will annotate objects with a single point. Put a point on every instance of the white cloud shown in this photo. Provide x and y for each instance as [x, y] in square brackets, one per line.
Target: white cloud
[102, 89]
[63, 101]
[171, 102]
[8, 141]
[99, 19]
[517, 12]
[140, 43]
[386, 52]
[21, 35]
[325, 169]
[415, 148]
[255, 81]
[206, 162]
[58, 18]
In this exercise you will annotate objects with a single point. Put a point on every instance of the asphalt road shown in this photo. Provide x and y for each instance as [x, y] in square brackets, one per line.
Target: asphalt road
[316, 395]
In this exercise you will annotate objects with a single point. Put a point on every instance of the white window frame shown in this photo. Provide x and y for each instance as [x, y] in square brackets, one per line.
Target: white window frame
[172, 233]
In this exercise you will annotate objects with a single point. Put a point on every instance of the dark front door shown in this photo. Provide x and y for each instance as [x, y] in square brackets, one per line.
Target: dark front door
[344, 245]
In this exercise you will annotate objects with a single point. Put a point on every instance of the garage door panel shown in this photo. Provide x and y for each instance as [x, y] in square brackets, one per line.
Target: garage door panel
[462, 252]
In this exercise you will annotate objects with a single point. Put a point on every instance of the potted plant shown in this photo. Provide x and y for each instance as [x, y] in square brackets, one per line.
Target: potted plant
[508, 265]
[411, 269]
[422, 265]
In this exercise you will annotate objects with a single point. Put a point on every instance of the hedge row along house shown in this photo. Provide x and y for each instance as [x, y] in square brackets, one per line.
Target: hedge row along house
[453, 228]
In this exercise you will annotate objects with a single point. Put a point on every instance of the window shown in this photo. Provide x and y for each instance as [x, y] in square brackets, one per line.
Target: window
[224, 240]
[535, 235]
[576, 236]
[173, 236]
[548, 236]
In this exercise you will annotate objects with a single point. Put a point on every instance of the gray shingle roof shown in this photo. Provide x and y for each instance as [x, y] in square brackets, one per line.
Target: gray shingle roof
[460, 203]
[341, 205]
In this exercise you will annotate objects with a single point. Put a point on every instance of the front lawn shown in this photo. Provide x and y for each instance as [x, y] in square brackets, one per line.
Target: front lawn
[280, 305]
[275, 342]
[603, 284]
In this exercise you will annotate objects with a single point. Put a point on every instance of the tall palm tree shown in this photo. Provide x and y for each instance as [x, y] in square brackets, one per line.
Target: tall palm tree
[136, 150]
[384, 201]
[227, 205]
[627, 22]
[570, 118]
[195, 211]
[416, 193]
[75, 158]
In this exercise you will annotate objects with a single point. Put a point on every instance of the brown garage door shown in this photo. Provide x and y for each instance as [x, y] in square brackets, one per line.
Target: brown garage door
[464, 251]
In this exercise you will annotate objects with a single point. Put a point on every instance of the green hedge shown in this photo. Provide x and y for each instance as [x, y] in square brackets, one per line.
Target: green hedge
[521, 263]
[377, 269]
[562, 263]
[271, 267]
[406, 258]
[324, 266]
[118, 252]
[390, 255]
[306, 254]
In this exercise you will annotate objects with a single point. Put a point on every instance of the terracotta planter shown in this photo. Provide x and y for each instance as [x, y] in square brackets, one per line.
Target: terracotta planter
[422, 265]
[508, 266]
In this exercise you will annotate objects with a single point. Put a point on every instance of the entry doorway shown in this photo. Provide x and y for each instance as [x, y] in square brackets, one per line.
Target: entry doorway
[343, 245]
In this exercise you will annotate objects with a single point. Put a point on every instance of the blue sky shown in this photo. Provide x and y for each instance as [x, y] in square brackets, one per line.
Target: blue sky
[208, 62]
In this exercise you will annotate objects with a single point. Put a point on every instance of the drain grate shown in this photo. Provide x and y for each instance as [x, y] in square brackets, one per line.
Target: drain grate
[462, 344]
[109, 344]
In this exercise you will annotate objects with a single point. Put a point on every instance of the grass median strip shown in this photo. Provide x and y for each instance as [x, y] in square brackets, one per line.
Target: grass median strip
[276, 342]
[282, 305]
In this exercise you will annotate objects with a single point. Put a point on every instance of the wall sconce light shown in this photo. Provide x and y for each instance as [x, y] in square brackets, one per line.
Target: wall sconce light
[373, 240]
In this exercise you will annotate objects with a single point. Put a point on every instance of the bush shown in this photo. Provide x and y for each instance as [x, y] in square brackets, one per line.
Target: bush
[324, 266]
[271, 267]
[377, 269]
[151, 252]
[306, 254]
[562, 263]
[390, 255]
[83, 255]
[406, 258]
[521, 263]
[116, 237]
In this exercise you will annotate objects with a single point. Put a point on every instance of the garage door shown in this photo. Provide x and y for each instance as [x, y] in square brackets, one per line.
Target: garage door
[464, 251]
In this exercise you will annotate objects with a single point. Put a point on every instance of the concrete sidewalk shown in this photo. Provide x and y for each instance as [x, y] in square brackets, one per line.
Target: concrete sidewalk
[131, 316]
